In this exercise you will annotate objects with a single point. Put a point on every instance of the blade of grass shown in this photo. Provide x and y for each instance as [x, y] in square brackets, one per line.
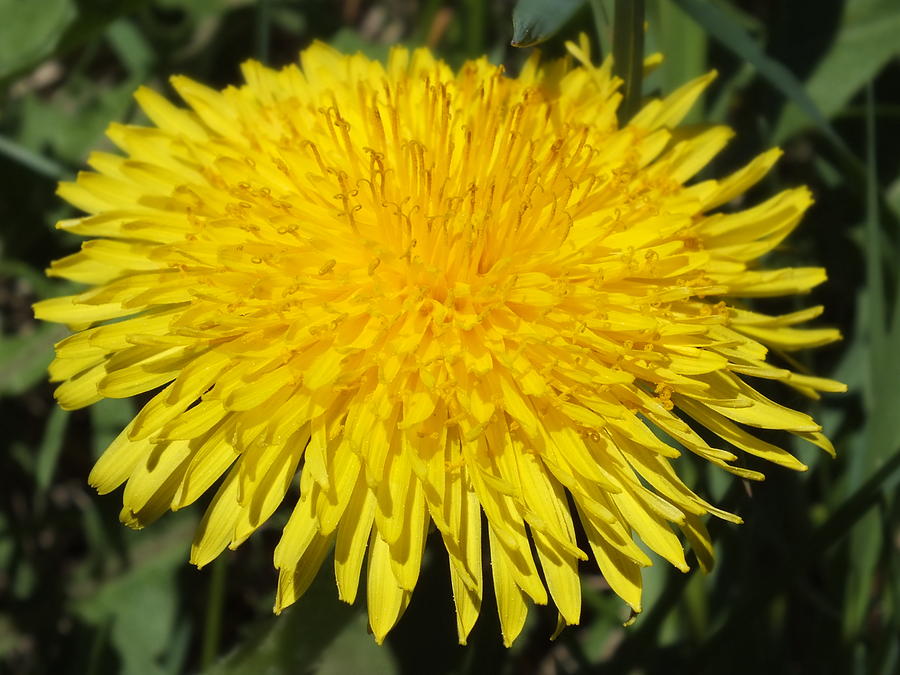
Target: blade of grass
[864, 42]
[31, 160]
[865, 539]
[734, 38]
[628, 54]
[48, 455]
[832, 531]
[890, 655]
[684, 45]
[874, 272]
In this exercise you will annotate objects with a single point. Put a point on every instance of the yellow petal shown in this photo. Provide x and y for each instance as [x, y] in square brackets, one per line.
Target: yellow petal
[621, 573]
[153, 481]
[386, 599]
[217, 526]
[118, 461]
[352, 539]
[293, 583]
[511, 605]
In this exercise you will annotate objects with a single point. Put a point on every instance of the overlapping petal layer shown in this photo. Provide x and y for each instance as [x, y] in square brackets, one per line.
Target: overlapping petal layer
[437, 299]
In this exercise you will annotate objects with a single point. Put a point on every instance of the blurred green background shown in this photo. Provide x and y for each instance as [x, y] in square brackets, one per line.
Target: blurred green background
[809, 584]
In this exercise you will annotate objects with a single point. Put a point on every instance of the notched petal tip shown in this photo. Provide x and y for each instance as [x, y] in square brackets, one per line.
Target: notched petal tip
[130, 519]
[631, 618]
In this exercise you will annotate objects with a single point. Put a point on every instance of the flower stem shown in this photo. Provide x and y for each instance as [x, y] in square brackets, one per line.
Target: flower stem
[212, 631]
[628, 54]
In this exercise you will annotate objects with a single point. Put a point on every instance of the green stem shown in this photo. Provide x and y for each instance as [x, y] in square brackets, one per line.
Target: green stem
[212, 631]
[628, 54]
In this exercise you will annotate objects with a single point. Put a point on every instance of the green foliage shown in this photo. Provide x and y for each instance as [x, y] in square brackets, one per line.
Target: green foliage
[683, 42]
[628, 55]
[866, 41]
[24, 358]
[729, 32]
[319, 635]
[810, 583]
[139, 609]
[32, 31]
[535, 21]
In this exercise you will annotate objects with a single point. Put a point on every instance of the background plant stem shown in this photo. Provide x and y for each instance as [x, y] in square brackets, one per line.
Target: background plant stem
[215, 601]
[628, 54]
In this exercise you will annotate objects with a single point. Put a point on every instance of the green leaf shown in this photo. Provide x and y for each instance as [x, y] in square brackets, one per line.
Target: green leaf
[141, 605]
[131, 47]
[683, 44]
[319, 634]
[31, 31]
[70, 136]
[24, 358]
[348, 41]
[866, 41]
[48, 452]
[534, 21]
[34, 30]
[881, 399]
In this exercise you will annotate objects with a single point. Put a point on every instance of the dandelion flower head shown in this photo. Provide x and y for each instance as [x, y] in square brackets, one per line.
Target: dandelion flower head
[404, 299]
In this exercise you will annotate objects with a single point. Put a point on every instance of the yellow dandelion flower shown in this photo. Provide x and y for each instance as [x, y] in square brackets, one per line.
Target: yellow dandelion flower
[435, 299]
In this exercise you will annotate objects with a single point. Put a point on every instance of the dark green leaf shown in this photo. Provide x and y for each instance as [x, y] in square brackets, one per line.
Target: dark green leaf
[537, 20]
